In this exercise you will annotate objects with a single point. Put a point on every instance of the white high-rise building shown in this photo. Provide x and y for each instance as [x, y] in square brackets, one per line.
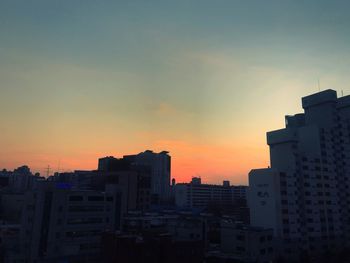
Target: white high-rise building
[304, 197]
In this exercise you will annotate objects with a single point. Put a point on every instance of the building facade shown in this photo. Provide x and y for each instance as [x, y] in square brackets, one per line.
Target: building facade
[198, 195]
[159, 167]
[304, 197]
[217, 199]
[63, 224]
[245, 243]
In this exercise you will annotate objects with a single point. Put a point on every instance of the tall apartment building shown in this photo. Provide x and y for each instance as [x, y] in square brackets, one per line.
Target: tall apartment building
[19, 180]
[223, 199]
[158, 165]
[146, 193]
[196, 194]
[63, 224]
[304, 197]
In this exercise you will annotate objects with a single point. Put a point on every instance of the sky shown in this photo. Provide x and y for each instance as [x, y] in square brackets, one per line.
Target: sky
[204, 80]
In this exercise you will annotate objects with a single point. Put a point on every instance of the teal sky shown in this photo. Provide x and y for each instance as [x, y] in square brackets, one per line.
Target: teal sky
[202, 79]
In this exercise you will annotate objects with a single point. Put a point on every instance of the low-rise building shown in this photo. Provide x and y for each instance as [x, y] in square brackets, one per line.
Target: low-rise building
[59, 223]
[181, 226]
[155, 247]
[249, 244]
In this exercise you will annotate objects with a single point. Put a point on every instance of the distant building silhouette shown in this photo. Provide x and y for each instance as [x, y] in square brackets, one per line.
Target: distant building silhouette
[160, 168]
[111, 164]
[153, 169]
[222, 199]
[305, 197]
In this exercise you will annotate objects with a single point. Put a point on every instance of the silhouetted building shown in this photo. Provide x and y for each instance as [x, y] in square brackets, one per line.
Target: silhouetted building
[153, 171]
[196, 181]
[111, 164]
[224, 199]
[152, 247]
[63, 224]
[125, 181]
[183, 226]
[4, 178]
[304, 197]
[19, 180]
[9, 243]
[11, 205]
[240, 243]
[158, 237]
[79, 179]
[159, 165]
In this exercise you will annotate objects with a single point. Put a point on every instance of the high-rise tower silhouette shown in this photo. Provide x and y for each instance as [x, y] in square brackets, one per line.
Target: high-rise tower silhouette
[305, 195]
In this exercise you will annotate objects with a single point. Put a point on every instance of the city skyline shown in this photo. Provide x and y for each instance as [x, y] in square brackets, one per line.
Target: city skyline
[203, 81]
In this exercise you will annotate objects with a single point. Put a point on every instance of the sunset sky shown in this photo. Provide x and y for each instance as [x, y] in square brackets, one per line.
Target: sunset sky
[204, 80]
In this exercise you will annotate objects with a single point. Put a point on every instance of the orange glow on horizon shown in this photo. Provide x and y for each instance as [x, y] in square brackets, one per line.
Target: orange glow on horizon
[213, 163]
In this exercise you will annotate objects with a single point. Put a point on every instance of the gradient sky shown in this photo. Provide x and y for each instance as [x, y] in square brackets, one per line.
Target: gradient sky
[202, 79]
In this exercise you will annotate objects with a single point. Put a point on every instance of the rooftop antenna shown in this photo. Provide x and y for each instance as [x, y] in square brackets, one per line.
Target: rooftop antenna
[48, 170]
[319, 86]
[58, 166]
[342, 93]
